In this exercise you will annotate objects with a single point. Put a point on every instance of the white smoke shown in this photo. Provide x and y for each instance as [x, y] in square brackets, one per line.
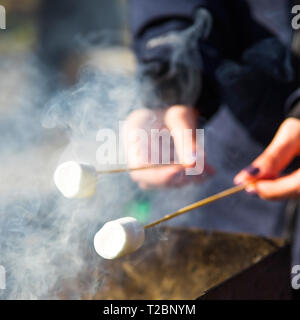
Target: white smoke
[46, 240]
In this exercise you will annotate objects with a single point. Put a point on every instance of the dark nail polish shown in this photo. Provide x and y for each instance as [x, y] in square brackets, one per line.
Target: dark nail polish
[253, 171]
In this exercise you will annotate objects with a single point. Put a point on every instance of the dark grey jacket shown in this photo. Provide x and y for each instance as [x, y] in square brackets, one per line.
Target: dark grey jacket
[209, 52]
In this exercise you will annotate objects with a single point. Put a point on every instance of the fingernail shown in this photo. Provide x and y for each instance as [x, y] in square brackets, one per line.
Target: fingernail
[253, 171]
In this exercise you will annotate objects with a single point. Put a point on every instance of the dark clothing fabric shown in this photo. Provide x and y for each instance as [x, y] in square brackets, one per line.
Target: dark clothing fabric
[295, 112]
[243, 60]
[291, 105]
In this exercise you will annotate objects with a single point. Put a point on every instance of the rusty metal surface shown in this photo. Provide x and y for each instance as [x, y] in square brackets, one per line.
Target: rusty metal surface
[181, 264]
[267, 279]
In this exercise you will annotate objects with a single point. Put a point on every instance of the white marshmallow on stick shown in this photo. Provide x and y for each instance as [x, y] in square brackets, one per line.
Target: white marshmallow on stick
[79, 180]
[123, 236]
[119, 237]
[76, 180]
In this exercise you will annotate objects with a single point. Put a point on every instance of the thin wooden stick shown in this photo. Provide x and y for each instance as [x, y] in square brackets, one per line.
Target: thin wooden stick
[198, 204]
[137, 168]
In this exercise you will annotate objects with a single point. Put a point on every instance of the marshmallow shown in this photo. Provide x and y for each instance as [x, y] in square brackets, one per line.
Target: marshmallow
[119, 237]
[76, 180]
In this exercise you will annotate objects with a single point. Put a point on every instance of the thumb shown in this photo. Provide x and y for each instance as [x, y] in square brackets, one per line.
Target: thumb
[181, 121]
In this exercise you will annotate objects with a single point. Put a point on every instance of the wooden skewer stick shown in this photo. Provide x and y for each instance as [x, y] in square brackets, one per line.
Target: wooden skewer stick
[198, 204]
[137, 168]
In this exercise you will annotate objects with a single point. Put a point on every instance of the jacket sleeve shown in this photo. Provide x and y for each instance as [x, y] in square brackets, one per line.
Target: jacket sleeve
[179, 45]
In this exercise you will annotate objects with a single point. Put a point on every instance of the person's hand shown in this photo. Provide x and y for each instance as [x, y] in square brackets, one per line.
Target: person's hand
[267, 168]
[173, 119]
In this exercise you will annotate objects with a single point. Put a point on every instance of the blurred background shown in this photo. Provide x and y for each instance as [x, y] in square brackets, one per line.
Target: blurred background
[64, 33]
[42, 52]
